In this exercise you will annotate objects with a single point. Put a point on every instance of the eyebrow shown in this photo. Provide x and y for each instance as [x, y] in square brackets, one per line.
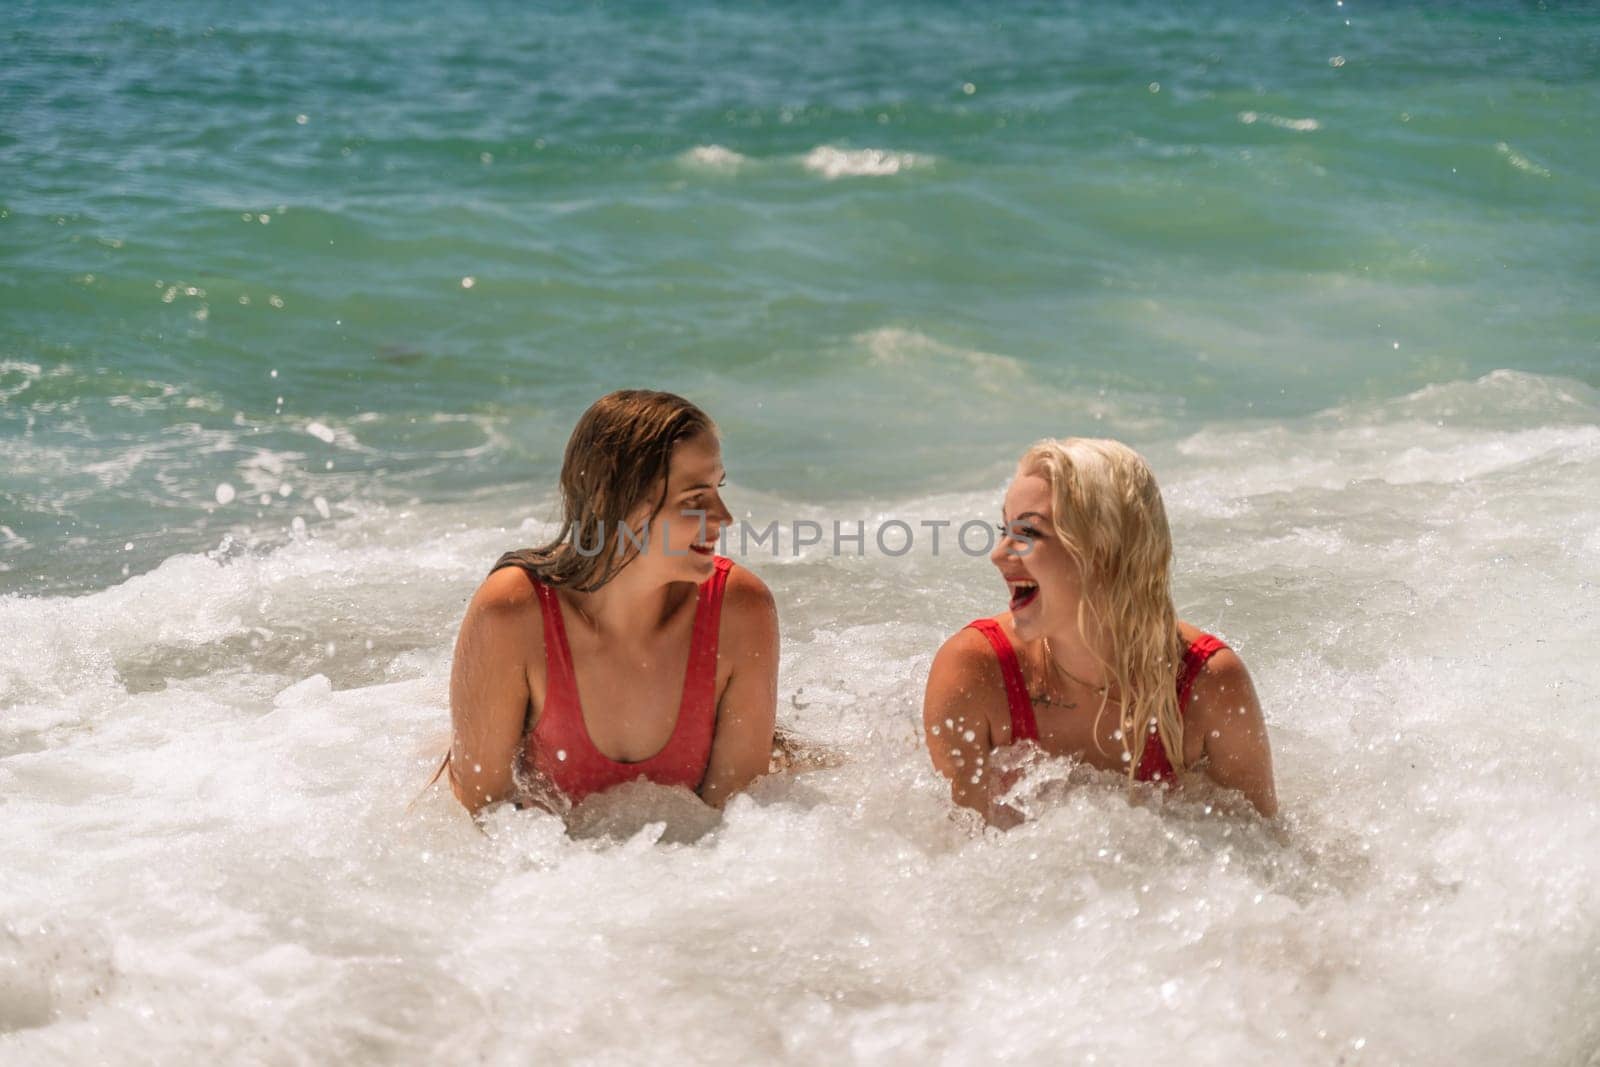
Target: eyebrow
[1024, 515]
[703, 485]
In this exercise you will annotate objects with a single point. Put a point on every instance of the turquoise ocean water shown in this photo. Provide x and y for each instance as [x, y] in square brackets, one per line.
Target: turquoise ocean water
[217, 229]
[299, 302]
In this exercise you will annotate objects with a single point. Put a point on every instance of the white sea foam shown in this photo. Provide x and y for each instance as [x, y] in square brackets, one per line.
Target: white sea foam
[713, 157]
[206, 773]
[1250, 118]
[1520, 161]
[17, 377]
[832, 162]
[909, 349]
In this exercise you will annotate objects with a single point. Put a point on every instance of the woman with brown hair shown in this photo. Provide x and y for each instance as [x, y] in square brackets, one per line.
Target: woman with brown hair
[625, 648]
[1086, 554]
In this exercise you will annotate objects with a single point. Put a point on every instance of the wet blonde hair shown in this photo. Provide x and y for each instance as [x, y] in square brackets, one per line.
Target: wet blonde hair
[1108, 513]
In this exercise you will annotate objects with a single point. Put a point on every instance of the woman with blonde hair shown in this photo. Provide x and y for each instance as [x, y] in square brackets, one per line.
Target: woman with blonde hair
[1091, 660]
[625, 648]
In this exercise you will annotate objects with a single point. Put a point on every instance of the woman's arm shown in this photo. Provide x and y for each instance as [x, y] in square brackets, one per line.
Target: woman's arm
[489, 689]
[1226, 708]
[742, 746]
[962, 685]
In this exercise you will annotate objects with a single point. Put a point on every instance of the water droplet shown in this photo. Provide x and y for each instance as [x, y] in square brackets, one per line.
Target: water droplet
[561, 754]
[468, 282]
[225, 493]
[128, 547]
[322, 507]
[302, 119]
[1155, 87]
[1336, 61]
[968, 735]
[968, 88]
[934, 731]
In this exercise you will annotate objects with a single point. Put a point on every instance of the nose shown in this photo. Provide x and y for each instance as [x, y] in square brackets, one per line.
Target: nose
[717, 516]
[1004, 548]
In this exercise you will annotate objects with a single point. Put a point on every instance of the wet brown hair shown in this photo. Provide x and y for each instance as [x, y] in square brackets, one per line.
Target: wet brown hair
[616, 459]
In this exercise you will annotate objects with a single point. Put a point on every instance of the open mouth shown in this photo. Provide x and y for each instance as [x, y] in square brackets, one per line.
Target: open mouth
[703, 548]
[1023, 593]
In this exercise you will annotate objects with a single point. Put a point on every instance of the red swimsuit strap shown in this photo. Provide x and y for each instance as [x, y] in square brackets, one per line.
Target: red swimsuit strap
[1156, 766]
[1195, 658]
[700, 679]
[1024, 727]
[560, 678]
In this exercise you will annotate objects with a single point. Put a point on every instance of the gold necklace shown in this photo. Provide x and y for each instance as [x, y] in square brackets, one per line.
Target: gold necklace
[1098, 690]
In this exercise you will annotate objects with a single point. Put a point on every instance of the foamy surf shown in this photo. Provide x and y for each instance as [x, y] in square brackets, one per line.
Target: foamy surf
[713, 157]
[832, 162]
[1283, 122]
[207, 772]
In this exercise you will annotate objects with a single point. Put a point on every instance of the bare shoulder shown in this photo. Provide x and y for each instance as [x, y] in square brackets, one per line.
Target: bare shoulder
[747, 595]
[1223, 689]
[967, 653]
[508, 590]
[504, 615]
[749, 624]
[965, 671]
[1224, 668]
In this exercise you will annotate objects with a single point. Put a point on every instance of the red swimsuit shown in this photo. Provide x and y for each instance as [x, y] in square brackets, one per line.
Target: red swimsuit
[558, 748]
[1154, 767]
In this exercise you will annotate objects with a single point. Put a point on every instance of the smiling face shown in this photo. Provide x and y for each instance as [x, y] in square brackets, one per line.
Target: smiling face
[683, 534]
[1040, 572]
